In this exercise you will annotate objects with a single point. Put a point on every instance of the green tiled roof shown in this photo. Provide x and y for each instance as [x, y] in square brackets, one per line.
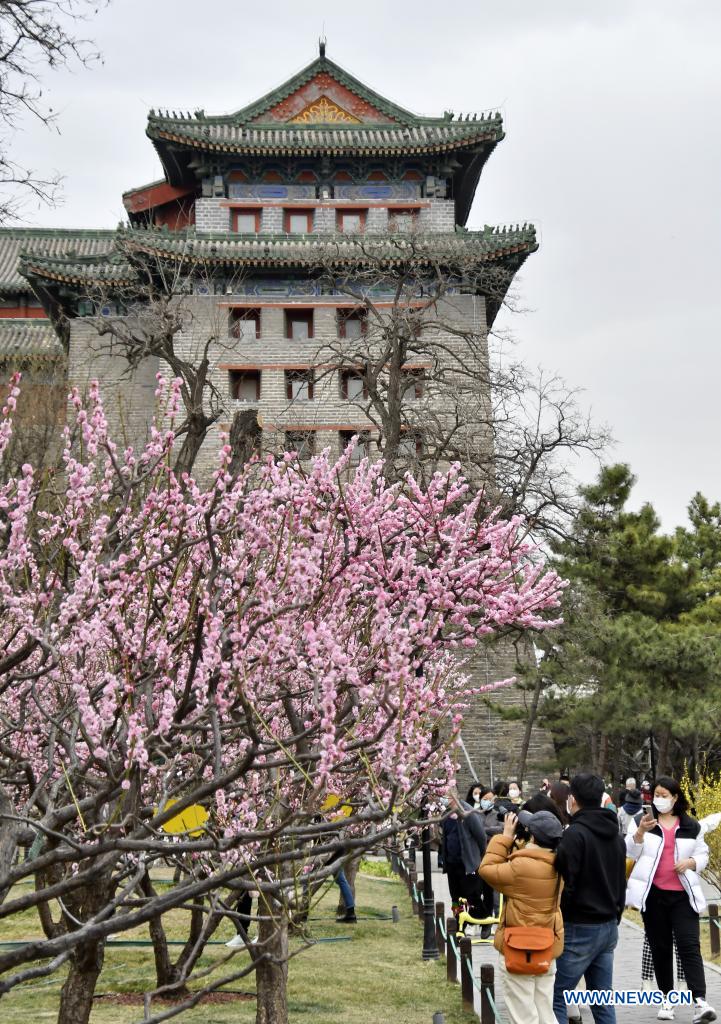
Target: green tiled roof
[223, 136]
[110, 268]
[309, 250]
[28, 339]
[489, 245]
[50, 243]
[505, 247]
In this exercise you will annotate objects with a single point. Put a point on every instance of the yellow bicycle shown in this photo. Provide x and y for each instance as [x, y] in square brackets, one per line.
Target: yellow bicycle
[465, 918]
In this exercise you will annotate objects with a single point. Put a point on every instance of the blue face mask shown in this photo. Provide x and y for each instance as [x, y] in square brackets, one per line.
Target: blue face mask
[486, 804]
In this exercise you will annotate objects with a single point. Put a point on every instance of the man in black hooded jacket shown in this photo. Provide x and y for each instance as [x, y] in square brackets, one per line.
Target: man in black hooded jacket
[592, 862]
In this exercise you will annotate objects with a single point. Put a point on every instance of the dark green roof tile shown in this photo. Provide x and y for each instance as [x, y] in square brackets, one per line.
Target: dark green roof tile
[28, 339]
[223, 136]
[491, 244]
[50, 243]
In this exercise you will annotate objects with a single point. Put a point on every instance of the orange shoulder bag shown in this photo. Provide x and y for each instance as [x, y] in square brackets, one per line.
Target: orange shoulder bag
[528, 949]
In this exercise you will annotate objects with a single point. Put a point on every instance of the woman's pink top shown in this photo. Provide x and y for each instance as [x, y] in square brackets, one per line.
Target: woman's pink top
[666, 877]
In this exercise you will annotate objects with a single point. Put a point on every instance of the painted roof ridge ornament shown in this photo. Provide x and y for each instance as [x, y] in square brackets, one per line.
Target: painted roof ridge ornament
[321, 46]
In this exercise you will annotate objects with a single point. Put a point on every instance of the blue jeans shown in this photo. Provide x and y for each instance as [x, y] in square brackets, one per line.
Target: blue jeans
[587, 953]
[345, 890]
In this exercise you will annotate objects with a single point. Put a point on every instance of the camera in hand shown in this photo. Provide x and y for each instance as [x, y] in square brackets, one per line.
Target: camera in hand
[522, 833]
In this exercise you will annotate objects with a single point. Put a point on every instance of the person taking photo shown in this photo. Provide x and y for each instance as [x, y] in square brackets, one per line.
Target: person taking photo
[668, 847]
[531, 924]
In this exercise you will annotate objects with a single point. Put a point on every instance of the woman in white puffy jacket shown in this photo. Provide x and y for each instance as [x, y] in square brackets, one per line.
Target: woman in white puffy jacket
[668, 847]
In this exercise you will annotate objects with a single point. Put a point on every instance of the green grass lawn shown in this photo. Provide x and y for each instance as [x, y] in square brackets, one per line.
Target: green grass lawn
[377, 977]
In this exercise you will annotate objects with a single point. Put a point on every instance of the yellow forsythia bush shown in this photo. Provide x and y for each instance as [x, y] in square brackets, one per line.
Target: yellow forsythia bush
[704, 794]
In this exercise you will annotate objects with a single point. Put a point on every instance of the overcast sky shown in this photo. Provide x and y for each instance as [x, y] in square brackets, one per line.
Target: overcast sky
[613, 151]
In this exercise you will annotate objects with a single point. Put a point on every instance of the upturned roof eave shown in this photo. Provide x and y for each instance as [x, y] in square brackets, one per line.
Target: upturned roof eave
[186, 133]
[466, 181]
[262, 251]
[13, 239]
[176, 152]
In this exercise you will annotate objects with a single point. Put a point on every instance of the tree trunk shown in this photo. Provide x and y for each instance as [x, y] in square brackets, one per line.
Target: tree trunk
[664, 742]
[245, 434]
[168, 972]
[76, 996]
[86, 962]
[9, 832]
[271, 976]
[198, 424]
[530, 722]
[616, 766]
[159, 940]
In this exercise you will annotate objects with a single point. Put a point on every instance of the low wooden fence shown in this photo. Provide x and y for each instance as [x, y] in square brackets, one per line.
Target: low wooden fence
[457, 951]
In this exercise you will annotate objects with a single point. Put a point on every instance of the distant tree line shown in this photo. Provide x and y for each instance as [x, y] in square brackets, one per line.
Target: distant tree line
[637, 663]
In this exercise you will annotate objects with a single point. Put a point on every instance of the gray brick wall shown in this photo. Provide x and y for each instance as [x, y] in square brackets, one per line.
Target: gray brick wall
[214, 215]
[271, 221]
[439, 217]
[211, 216]
[494, 744]
[325, 220]
[129, 401]
[377, 221]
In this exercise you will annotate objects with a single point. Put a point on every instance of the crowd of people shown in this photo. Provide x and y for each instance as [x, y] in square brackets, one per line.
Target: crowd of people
[567, 862]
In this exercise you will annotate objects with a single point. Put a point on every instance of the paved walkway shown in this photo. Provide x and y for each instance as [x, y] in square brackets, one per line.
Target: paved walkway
[627, 969]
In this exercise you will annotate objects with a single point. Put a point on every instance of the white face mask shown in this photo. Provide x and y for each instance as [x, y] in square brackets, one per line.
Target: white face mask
[663, 804]
[513, 792]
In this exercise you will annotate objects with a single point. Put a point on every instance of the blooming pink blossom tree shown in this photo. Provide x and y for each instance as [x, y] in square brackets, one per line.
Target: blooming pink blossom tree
[253, 646]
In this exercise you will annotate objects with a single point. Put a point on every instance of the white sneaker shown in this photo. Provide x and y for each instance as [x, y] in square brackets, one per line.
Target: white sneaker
[238, 942]
[702, 1012]
[666, 1011]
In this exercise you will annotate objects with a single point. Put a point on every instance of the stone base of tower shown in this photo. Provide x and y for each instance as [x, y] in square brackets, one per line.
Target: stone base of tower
[493, 743]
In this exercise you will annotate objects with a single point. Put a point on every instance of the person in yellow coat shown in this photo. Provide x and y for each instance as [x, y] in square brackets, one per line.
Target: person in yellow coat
[528, 879]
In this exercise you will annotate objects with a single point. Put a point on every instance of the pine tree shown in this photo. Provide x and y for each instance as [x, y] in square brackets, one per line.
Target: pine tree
[639, 650]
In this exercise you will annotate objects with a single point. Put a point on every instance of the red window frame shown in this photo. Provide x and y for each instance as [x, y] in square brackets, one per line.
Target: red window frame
[308, 214]
[309, 435]
[235, 379]
[363, 447]
[404, 211]
[361, 212]
[413, 377]
[307, 375]
[344, 315]
[345, 377]
[414, 436]
[245, 212]
[242, 315]
[298, 313]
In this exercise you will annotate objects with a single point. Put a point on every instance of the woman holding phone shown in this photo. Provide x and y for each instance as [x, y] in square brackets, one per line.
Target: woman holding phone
[668, 847]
